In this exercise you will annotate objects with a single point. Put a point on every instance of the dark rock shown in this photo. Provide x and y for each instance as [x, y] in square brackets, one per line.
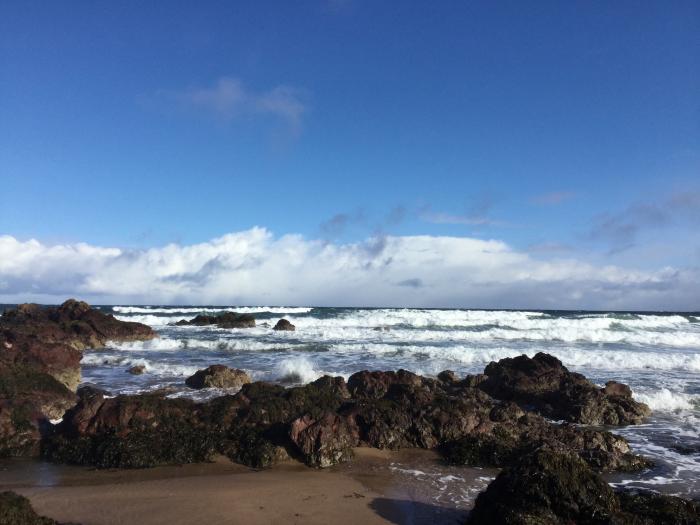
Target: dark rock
[225, 320]
[130, 432]
[544, 384]
[137, 370]
[645, 508]
[546, 487]
[17, 510]
[218, 376]
[447, 376]
[284, 325]
[251, 447]
[376, 384]
[509, 440]
[551, 486]
[322, 421]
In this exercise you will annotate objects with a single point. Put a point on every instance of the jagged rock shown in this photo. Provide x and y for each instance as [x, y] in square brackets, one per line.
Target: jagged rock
[544, 384]
[40, 352]
[73, 323]
[225, 320]
[136, 370]
[284, 325]
[17, 510]
[60, 360]
[326, 441]
[546, 487]
[646, 508]
[218, 376]
[514, 438]
[322, 421]
[552, 486]
[28, 399]
[375, 385]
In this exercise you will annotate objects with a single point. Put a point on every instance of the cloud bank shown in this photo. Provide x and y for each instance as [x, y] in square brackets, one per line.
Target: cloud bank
[255, 267]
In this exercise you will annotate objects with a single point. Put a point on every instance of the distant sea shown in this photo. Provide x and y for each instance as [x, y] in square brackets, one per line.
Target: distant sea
[656, 353]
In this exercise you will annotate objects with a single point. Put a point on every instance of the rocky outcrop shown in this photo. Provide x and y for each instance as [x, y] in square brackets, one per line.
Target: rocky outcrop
[225, 320]
[40, 352]
[551, 485]
[284, 325]
[17, 510]
[321, 422]
[544, 384]
[74, 323]
[218, 376]
[130, 432]
[512, 439]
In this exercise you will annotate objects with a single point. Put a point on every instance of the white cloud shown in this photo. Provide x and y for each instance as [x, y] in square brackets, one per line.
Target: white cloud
[228, 98]
[255, 267]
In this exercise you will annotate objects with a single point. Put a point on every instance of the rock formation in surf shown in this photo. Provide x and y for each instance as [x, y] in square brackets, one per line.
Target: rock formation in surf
[545, 385]
[225, 320]
[321, 423]
[218, 376]
[284, 325]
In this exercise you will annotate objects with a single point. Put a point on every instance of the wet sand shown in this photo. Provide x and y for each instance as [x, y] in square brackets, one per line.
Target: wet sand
[374, 489]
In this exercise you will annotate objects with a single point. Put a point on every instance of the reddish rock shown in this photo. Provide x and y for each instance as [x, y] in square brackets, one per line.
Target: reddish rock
[40, 352]
[326, 441]
[73, 323]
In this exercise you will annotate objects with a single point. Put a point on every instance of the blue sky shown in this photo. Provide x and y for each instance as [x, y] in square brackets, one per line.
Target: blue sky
[562, 129]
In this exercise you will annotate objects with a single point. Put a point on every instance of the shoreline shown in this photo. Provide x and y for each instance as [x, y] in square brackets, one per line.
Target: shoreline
[541, 422]
[364, 491]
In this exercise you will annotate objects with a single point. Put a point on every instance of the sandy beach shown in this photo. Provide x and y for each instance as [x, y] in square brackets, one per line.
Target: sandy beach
[364, 491]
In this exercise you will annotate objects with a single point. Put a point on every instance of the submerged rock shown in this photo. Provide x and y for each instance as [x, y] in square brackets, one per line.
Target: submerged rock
[544, 384]
[284, 325]
[218, 376]
[136, 370]
[225, 320]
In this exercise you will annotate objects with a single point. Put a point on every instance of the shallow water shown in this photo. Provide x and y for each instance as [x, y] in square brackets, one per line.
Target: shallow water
[657, 354]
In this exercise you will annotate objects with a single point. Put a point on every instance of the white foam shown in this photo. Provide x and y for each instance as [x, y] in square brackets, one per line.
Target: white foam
[296, 370]
[159, 368]
[154, 320]
[666, 400]
[464, 353]
[195, 310]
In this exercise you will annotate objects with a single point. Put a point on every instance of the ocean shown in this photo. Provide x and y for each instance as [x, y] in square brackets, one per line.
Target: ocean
[656, 353]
